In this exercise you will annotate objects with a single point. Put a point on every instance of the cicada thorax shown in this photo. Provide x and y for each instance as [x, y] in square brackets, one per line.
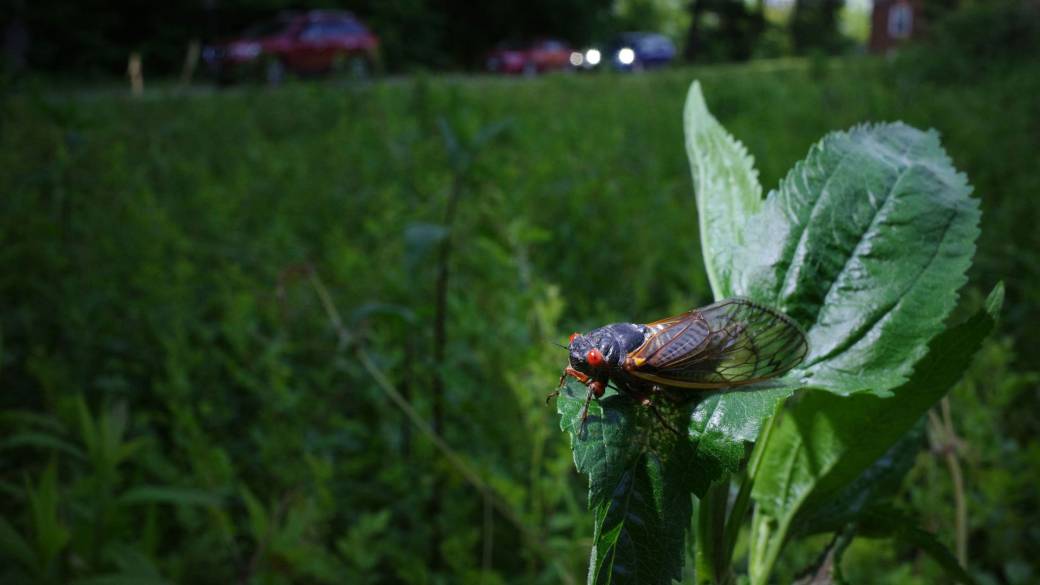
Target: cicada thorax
[695, 345]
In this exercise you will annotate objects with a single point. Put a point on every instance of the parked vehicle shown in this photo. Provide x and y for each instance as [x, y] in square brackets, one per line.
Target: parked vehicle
[307, 43]
[631, 51]
[529, 58]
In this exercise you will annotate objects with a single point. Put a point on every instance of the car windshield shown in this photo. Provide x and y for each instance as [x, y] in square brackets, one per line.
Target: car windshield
[655, 43]
[344, 27]
[627, 40]
[267, 28]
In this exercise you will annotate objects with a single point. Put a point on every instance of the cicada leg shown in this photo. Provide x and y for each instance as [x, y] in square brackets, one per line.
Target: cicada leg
[568, 371]
[648, 401]
[662, 420]
[596, 389]
[645, 397]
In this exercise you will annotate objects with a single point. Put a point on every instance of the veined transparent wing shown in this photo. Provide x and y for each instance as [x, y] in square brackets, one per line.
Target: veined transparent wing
[730, 343]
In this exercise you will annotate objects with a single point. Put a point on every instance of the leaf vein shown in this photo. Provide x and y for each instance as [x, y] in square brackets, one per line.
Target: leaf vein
[881, 316]
[871, 227]
[804, 226]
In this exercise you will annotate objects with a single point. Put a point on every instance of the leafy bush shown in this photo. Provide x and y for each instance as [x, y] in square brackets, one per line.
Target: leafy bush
[978, 39]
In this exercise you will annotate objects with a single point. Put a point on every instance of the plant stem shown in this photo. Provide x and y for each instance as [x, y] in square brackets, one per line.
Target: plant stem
[947, 444]
[761, 567]
[763, 550]
[736, 517]
[743, 500]
[712, 565]
[704, 553]
[440, 342]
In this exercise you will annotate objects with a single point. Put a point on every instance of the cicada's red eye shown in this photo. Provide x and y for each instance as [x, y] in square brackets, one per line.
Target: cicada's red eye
[573, 335]
[594, 357]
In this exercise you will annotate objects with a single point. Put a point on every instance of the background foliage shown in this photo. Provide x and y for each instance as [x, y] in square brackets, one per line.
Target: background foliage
[178, 408]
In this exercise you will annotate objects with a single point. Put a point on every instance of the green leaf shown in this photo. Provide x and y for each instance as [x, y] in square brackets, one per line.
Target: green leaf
[641, 475]
[881, 479]
[169, 495]
[259, 519]
[120, 579]
[726, 186]
[51, 534]
[826, 440]
[420, 240]
[13, 546]
[42, 441]
[865, 244]
[887, 522]
[737, 414]
[133, 562]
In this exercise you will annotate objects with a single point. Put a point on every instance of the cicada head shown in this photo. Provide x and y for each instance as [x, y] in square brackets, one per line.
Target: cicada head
[586, 357]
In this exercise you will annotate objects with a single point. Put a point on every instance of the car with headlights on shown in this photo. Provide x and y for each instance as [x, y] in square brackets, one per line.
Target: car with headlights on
[641, 50]
[633, 51]
[306, 43]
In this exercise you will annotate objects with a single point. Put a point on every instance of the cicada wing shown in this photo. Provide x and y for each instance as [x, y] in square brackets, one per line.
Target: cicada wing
[730, 343]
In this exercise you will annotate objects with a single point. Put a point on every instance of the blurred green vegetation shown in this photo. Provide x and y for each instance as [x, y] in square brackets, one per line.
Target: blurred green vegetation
[178, 406]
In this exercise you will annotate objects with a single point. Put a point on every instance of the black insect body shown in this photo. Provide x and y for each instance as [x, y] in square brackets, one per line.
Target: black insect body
[731, 343]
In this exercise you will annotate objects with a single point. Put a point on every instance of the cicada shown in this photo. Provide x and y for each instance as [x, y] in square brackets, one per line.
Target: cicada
[731, 343]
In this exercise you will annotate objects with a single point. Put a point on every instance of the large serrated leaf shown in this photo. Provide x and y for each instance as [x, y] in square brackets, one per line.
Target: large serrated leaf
[641, 476]
[826, 440]
[865, 244]
[726, 186]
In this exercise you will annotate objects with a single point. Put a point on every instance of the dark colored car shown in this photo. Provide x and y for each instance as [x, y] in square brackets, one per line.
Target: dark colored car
[641, 50]
[308, 43]
[529, 58]
[633, 51]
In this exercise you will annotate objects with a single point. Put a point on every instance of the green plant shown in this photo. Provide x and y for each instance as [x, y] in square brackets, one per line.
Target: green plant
[81, 513]
[865, 244]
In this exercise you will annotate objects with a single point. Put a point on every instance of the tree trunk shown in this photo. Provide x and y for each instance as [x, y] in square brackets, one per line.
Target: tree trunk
[693, 36]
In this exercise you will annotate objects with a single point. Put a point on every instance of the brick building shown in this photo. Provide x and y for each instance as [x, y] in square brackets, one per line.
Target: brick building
[894, 22]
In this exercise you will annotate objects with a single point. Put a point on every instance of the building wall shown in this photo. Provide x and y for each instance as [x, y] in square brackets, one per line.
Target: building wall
[894, 22]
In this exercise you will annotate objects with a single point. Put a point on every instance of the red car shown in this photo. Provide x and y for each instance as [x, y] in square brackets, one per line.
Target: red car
[315, 42]
[529, 58]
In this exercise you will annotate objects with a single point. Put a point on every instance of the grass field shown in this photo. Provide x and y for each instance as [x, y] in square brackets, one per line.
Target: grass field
[178, 403]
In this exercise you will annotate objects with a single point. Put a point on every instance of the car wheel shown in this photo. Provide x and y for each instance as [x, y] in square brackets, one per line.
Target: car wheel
[359, 67]
[274, 71]
[351, 67]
